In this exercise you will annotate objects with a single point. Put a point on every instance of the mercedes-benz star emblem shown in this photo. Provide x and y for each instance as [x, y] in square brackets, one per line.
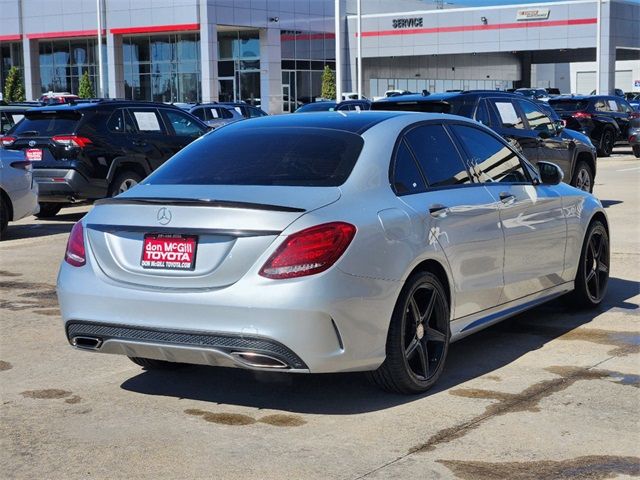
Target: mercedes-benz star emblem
[32, 143]
[164, 216]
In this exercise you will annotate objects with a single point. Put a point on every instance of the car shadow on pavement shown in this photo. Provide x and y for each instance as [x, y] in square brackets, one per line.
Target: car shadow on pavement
[351, 393]
[46, 226]
[610, 203]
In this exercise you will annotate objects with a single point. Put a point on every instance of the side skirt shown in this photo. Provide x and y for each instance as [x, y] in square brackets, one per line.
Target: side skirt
[465, 326]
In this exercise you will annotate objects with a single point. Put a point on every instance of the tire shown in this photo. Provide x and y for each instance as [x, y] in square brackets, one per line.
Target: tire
[607, 141]
[416, 352]
[49, 210]
[5, 213]
[636, 150]
[151, 364]
[583, 177]
[593, 270]
[123, 182]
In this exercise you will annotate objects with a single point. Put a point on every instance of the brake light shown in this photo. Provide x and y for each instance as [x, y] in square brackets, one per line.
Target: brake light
[7, 140]
[632, 138]
[581, 115]
[309, 251]
[634, 115]
[72, 140]
[75, 254]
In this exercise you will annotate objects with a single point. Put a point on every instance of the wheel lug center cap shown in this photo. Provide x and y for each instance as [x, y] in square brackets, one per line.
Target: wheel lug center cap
[420, 331]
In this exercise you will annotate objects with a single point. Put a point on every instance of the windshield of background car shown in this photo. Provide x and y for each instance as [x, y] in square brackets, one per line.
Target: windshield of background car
[46, 124]
[569, 105]
[288, 156]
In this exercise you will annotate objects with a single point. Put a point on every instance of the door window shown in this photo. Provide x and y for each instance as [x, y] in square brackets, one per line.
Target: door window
[437, 156]
[508, 116]
[624, 107]
[147, 121]
[602, 106]
[493, 161]
[407, 178]
[537, 120]
[199, 113]
[183, 125]
[256, 112]
[119, 122]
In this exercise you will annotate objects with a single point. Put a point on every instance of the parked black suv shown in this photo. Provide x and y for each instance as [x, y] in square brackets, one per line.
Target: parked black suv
[603, 118]
[531, 126]
[89, 150]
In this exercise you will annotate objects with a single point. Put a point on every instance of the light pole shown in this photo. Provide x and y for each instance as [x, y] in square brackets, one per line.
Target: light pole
[100, 61]
[359, 43]
[338, 52]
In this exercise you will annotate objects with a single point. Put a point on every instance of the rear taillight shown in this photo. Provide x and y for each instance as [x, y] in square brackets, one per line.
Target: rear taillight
[581, 115]
[632, 138]
[309, 251]
[72, 140]
[23, 165]
[634, 115]
[7, 140]
[75, 254]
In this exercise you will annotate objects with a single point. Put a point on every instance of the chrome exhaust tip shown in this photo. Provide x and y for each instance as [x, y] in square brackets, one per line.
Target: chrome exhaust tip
[259, 360]
[90, 343]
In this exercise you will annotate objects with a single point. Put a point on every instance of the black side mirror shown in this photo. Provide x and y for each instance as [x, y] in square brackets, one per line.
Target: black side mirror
[550, 173]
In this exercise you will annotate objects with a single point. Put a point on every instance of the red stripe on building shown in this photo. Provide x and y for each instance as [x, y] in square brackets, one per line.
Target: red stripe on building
[11, 38]
[156, 29]
[67, 34]
[470, 28]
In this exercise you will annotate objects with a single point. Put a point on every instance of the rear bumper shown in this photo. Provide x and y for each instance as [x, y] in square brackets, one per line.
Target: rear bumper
[331, 322]
[66, 185]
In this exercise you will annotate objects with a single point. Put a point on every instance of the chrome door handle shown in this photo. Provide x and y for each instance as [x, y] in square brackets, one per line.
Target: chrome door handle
[507, 198]
[438, 210]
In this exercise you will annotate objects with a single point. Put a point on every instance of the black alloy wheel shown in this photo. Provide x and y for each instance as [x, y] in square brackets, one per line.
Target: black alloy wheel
[418, 339]
[592, 278]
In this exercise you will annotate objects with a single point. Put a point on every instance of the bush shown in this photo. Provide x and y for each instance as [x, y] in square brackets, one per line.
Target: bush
[85, 90]
[14, 88]
[328, 84]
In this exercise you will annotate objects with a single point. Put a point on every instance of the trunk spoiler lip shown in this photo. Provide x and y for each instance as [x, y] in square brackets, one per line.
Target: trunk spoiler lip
[195, 202]
[179, 230]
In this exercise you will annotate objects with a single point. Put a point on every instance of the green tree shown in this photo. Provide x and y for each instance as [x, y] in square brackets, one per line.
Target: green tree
[14, 88]
[328, 83]
[85, 90]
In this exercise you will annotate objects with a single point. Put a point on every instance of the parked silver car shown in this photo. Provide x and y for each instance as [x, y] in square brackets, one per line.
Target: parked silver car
[329, 242]
[18, 191]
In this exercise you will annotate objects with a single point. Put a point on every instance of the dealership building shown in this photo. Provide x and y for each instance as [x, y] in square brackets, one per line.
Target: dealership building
[273, 52]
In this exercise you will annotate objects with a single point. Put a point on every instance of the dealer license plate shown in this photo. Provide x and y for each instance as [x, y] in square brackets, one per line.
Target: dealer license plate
[169, 251]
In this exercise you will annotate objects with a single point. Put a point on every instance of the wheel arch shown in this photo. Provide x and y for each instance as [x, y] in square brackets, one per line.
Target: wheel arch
[588, 158]
[122, 164]
[599, 215]
[7, 200]
[435, 267]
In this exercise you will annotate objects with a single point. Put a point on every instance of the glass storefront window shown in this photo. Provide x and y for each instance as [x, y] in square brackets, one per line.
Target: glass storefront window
[162, 68]
[63, 62]
[239, 66]
[10, 56]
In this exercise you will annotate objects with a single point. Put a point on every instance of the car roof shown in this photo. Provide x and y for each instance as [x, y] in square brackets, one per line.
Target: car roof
[354, 122]
[15, 108]
[104, 103]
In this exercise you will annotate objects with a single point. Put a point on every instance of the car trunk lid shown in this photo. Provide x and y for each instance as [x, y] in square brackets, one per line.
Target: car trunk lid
[225, 228]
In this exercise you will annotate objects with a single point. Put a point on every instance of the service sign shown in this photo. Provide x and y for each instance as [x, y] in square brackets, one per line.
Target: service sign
[171, 252]
[533, 14]
[414, 22]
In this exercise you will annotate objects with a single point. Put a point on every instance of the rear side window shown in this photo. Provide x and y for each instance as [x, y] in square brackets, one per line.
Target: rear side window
[199, 113]
[407, 178]
[120, 122]
[437, 156]
[147, 120]
[48, 123]
[569, 105]
[508, 116]
[289, 156]
[493, 161]
[256, 112]
[482, 113]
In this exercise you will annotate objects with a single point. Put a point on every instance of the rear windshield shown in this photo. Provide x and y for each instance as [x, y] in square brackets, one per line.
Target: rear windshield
[568, 105]
[432, 107]
[44, 124]
[290, 156]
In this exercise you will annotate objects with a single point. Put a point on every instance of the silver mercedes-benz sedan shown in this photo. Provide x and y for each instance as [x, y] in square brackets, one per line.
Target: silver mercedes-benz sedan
[329, 242]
